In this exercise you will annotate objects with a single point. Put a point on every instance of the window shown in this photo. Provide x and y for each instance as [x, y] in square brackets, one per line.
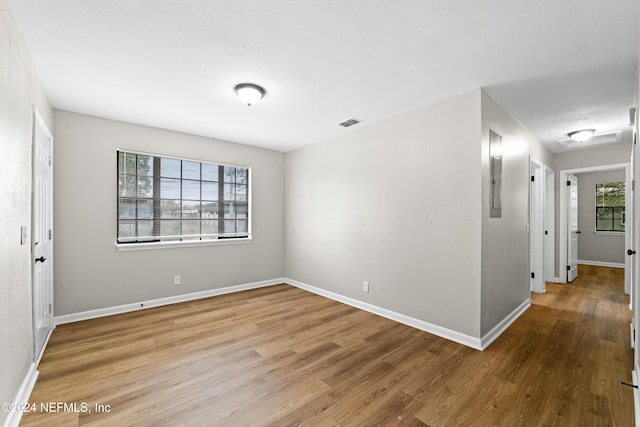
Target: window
[610, 200]
[163, 199]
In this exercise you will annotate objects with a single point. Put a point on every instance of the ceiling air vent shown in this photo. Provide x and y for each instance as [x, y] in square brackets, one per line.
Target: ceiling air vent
[597, 139]
[350, 122]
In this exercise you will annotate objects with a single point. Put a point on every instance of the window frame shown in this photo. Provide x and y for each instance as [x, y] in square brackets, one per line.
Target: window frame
[190, 242]
[596, 207]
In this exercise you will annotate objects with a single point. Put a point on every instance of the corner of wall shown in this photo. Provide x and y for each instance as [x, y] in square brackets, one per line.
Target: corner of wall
[505, 260]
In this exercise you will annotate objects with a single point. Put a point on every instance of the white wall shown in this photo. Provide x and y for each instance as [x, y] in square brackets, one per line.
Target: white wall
[505, 241]
[603, 155]
[404, 205]
[20, 89]
[591, 246]
[90, 273]
[396, 203]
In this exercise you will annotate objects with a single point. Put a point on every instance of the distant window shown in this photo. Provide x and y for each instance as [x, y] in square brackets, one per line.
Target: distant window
[164, 199]
[610, 201]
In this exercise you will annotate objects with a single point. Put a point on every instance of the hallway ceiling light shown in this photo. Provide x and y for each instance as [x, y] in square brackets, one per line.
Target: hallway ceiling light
[249, 93]
[581, 135]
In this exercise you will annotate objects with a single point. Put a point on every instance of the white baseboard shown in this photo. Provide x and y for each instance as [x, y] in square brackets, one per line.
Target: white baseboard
[449, 334]
[141, 305]
[601, 263]
[22, 398]
[504, 324]
[469, 341]
[636, 396]
[46, 342]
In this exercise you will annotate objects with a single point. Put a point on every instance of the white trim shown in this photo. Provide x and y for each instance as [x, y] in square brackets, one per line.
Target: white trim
[141, 305]
[563, 209]
[537, 221]
[609, 233]
[636, 395]
[22, 398]
[46, 341]
[601, 263]
[494, 333]
[600, 168]
[550, 226]
[126, 247]
[449, 334]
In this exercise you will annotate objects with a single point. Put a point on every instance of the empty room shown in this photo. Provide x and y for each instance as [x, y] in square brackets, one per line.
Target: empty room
[281, 212]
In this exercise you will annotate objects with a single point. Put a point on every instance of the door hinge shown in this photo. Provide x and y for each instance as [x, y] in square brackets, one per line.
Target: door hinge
[533, 178]
[533, 275]
[633, 185]
[50, 234]
[568, 183]
[568, 268]
[49, 160]
[546, 232]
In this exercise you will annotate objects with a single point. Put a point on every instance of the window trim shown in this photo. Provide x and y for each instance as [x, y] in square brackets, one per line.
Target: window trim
[136, 246]
[143, 246]
[595, 218]
[608, 233]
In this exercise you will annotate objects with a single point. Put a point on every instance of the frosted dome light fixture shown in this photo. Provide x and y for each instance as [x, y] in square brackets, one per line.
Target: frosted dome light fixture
[581, 135]
[249, 93]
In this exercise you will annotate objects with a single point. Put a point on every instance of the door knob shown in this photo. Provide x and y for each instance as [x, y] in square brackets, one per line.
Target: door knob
[41, 259]
[630, 252]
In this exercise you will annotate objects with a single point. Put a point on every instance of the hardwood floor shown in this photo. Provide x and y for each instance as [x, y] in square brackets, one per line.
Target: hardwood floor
[282, 356]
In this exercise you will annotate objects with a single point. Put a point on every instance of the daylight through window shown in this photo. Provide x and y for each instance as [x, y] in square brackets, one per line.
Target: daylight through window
[610, 204]
[162, 199]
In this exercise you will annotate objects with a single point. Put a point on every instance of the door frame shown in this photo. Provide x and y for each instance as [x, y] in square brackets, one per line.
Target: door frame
[40, 125]
[550, 224]
[564, 213]
[537, 222]
[572, 199]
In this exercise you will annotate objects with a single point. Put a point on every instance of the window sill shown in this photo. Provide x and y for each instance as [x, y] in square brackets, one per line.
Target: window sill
[127, 247]
[609, 233]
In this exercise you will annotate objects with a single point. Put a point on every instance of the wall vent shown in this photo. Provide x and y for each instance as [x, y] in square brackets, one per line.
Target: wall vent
[350, 122]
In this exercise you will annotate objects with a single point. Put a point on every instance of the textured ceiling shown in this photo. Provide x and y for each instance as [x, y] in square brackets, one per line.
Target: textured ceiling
[556, 65]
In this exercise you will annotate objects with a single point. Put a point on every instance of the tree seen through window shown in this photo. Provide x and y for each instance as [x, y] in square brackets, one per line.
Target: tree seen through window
[610, 206]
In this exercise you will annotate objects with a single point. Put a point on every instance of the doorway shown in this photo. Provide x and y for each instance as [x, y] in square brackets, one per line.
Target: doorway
[42, 235]
[541, 219]
[565, 232]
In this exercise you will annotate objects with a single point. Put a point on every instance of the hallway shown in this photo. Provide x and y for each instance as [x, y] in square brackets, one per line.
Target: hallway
[582, 352]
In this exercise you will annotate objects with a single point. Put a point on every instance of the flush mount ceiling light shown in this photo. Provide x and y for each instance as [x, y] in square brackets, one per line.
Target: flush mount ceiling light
[581, 135]
[249, 93]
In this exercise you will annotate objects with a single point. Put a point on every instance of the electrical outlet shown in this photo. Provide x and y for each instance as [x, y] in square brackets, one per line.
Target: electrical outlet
[23, 235]
[365, 286]
[177, 280]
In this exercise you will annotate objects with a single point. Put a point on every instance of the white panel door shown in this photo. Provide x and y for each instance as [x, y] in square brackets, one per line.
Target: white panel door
[572, 247]
[42, 244]
[536, 227]
[549, 225]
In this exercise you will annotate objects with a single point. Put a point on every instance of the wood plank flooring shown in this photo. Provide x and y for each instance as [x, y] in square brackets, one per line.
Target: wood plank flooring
[282, 356]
